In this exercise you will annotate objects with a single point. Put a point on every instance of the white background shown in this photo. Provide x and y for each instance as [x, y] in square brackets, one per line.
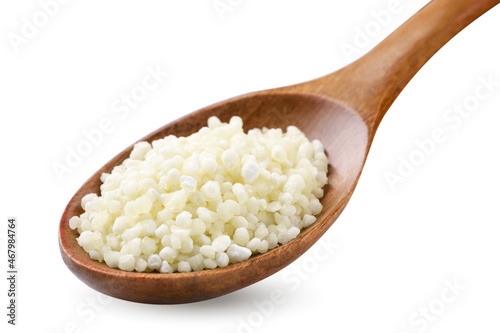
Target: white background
[387, 257]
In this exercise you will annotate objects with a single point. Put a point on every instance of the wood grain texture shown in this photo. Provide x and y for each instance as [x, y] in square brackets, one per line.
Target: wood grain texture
[342, 109]
[371, 84]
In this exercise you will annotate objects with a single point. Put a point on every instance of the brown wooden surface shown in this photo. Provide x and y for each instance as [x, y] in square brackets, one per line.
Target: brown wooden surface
[342, 109]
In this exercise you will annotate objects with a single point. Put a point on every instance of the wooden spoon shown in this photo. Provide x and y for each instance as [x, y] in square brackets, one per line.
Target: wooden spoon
[342, 109]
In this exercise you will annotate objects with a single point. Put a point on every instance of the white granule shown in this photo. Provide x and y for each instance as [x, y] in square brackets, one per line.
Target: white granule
[204, 201]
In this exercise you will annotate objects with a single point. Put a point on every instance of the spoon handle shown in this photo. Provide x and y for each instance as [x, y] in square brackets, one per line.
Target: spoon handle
[373, 82]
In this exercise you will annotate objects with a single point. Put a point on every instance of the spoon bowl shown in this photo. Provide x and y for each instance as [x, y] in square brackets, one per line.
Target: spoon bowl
[342, 110]
[345, 137]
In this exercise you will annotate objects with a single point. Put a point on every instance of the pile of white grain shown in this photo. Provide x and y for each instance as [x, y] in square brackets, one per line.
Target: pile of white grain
[204, 201]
